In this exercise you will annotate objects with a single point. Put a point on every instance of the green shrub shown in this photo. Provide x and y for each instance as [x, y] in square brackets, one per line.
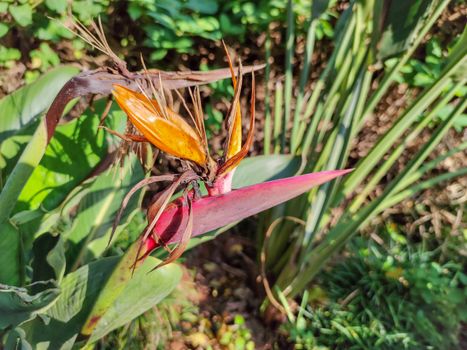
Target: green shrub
[174, 25]
[424, 72]
[386, 297]
[165, 25]
[37, 25]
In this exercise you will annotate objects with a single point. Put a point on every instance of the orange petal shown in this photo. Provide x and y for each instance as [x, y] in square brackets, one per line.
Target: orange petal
[235, 132]
[164, 128]
[231, 163]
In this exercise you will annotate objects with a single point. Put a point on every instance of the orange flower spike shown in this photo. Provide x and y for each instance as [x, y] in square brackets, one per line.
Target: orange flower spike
[164, 128]
[233, 162]
[235, 136]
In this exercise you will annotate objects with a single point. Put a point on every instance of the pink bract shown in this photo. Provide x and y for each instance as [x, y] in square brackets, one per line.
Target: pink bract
[212, 212]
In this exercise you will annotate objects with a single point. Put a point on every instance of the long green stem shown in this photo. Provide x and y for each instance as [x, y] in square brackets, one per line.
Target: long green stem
[415, 176]
[290, 38]
[278, 98]
[267, 112]
[335, 63]
[349, 224]
[310, 42]
[365, 166]
[410, 191]
[335, 160]
[395, 154]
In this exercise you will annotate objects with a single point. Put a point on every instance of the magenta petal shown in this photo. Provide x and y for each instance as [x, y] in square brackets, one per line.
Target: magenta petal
[212, 212]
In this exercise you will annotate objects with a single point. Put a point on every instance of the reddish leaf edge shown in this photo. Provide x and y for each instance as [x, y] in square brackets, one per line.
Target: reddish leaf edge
[212, 212]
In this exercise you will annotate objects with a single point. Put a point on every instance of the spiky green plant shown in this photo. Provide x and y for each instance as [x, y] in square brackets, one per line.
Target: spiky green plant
[383, 295]
[319, 123]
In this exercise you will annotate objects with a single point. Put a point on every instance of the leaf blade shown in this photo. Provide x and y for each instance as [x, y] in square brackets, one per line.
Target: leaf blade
[21, 107]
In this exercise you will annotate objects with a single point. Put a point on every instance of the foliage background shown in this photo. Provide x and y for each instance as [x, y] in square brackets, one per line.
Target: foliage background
[185, 34]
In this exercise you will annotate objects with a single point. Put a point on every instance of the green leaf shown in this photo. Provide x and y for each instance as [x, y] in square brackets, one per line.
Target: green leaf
[113, 287]
[3, 29]
[16, 339]
[3, 7]
[64, 195]
[422, 80]
[18, 305]
[9, 54]
[24, 105]
[11, 265]
[86, 10]
[207, 7]
[44, 57]
[228, 28]
[80, 290]
[11, 148]
[61, 178]
[404, 18]
[29, 159]
[56, 5]
[158, 55]
[142, 292]
[49, 258]
[97, 209]
[54, 31]
[319, 7]
[73, 152]
[134, 10]
[259, 169]
[22, 14]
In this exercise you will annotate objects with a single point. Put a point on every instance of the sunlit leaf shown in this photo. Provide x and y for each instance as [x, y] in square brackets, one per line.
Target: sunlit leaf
[21, 107]
[143, 291]
[80, 290]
